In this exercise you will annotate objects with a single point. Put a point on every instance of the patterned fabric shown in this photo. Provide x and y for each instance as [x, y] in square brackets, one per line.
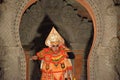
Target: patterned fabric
[55, 66]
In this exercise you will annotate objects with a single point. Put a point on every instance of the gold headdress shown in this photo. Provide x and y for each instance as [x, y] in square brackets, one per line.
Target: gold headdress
[54, 36]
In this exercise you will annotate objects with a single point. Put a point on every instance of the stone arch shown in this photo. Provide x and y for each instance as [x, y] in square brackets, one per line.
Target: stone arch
[94, 12]
[26, 35]
[96, 17]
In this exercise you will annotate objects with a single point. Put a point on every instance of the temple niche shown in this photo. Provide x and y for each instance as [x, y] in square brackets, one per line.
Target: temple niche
[90, 29]
[71, 22]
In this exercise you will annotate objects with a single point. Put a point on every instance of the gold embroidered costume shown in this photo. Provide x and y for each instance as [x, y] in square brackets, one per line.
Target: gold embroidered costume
[55, 64]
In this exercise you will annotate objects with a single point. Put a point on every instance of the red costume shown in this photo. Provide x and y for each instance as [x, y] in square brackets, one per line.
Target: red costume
[55, 66]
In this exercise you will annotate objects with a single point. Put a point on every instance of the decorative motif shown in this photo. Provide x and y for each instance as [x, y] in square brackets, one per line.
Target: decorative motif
[110, 10]
[57, 58]
[62, 65]
[15, 33]
[47, 66]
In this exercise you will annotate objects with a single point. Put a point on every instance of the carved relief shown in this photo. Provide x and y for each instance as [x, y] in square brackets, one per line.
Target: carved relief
[111, 10]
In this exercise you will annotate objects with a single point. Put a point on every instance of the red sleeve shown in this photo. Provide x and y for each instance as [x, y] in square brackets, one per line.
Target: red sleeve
[40, 55]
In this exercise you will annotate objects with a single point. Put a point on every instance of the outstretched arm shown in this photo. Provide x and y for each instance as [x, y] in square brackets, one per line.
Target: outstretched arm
[38, 55]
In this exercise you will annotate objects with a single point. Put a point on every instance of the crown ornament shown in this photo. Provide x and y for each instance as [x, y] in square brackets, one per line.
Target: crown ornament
[53, 37]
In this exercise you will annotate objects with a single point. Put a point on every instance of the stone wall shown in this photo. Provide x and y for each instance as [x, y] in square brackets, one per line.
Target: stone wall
[102, 57]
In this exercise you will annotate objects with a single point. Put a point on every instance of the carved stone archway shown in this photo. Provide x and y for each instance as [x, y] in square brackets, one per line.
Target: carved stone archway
[73, 44]
[97, 39]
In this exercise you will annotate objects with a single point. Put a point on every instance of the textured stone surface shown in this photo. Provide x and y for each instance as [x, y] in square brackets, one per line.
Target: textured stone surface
[10, 61]
[106, 28]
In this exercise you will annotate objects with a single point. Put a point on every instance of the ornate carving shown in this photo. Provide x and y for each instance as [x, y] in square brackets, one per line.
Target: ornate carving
[99, 33]
[15, 30]
[111, 10]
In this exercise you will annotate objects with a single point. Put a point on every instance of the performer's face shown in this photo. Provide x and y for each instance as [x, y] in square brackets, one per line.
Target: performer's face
[55, 47]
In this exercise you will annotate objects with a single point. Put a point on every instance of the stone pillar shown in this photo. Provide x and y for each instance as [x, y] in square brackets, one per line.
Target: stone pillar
[79, 63]
[12, 59]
